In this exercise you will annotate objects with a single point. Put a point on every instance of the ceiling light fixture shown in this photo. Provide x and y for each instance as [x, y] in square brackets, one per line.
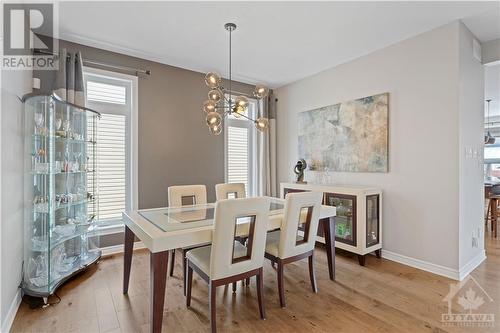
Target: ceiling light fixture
[220, 103]
[488, 138]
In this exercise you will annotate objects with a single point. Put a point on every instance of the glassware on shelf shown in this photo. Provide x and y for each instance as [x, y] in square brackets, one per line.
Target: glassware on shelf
[39, 121]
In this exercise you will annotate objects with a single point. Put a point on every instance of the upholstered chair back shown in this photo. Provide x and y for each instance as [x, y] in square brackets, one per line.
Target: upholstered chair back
[249, 215]
[230, 191]
[187, 195]
[301, 210]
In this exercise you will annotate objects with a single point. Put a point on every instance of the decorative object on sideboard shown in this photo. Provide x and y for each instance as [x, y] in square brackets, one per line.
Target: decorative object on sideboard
[299, 171]
[488, 138]
[350, 136]
[220, 103]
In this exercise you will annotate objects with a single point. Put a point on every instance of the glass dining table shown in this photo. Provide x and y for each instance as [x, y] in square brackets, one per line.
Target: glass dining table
[169, 228]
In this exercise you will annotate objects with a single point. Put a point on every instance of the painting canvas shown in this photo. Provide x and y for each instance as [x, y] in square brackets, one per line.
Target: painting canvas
[350, 136]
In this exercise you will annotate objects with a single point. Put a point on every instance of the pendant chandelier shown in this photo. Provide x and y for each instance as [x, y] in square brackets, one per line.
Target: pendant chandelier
[488, 138]
[220, 103]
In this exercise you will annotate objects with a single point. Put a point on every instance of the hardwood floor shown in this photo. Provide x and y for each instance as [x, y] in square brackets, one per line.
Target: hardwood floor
[383, 296]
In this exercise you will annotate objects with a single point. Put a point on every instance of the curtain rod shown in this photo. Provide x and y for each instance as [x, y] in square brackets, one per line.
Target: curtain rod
[102, 64]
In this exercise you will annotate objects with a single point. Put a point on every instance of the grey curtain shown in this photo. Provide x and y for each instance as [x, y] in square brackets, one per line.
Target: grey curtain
[68, 83]
[266, 149]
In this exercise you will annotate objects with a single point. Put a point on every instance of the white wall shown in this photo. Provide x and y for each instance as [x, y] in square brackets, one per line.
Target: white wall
[13, 84]
[421, 189]
[471, 136]
[490, 51]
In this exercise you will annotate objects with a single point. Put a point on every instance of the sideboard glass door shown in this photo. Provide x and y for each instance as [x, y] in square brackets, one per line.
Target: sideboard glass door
[345, 221]
[372, 219]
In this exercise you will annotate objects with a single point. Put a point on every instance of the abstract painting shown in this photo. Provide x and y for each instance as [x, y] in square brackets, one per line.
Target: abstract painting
[350, 136]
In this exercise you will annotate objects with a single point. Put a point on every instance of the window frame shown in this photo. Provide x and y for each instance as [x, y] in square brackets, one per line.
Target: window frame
[252, 138]
[131, 135]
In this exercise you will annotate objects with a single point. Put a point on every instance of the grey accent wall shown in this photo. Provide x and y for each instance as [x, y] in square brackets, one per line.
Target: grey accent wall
[175, 146]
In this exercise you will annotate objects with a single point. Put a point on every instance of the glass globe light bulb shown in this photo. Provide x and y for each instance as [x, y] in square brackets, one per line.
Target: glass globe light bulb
[260, 91]
[241, 101]
[209, 106]
[212, 80]
[238, 111]
[262, 124]
[214, 95]
[216, 129]
[213, 118]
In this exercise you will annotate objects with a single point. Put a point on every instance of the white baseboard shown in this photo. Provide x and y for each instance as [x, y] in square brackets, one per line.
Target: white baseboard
[471, 265]
[109, 250]
[11, 314]
[421, 264]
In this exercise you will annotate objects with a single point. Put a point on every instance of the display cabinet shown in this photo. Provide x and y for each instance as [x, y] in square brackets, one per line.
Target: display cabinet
[358, 224]
[61, 206]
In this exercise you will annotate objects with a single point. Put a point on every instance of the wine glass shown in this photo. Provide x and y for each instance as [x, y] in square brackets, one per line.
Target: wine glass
[58, 124]
[39, 121]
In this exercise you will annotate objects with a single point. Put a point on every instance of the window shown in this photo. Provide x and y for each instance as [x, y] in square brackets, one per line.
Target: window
[240, 150]
[492, 160]
[112, 94]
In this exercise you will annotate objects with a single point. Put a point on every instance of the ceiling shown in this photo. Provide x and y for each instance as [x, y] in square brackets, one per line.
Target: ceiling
[275, 43]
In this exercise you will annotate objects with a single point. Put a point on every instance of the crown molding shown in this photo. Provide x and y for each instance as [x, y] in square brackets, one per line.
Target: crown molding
[165, 60]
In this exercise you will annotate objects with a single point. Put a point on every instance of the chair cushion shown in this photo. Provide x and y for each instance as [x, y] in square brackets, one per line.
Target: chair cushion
[273, 242]
[201, 256]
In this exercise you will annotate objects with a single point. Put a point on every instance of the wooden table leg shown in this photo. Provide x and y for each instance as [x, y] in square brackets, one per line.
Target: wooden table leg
[329, 233]
[158, 280]
[127, 257]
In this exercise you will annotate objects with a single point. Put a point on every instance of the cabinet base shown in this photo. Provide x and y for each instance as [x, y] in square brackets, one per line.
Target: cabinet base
[362, 258]
[93, 257]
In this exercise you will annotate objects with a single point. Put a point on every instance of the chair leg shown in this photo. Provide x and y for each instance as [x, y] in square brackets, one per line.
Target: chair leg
[487, 213]
[234, 287]
[248, 282]
[312, 275]
[189, 283]
[260, 293]
[172, 262]
[281, 287]
[184, 264]
[212, 306]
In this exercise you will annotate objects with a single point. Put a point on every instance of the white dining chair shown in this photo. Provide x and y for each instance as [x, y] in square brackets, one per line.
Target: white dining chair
[230, 191]
[185, 195]
[301, 213]
[227, 260]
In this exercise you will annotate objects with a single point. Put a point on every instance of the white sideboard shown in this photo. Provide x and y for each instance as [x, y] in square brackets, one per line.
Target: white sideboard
[358, 224]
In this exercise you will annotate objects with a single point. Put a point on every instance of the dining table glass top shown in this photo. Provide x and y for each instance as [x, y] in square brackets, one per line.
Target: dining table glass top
[193, 216]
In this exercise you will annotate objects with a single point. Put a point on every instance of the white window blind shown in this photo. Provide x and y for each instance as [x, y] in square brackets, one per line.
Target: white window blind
[237, 155]
[111, 167]
[106, 93]
[111, 161]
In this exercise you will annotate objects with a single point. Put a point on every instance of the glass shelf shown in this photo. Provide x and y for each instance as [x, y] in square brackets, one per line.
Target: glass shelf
[56, 198]
[44, 209]
[61, 173]
[57, 138]
[55, 241]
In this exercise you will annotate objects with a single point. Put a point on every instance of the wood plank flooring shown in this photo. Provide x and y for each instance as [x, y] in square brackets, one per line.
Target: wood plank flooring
[383, 296]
